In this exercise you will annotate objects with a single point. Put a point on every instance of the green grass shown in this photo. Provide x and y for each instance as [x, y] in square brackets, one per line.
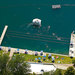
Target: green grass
[31, 58]
[1, 52]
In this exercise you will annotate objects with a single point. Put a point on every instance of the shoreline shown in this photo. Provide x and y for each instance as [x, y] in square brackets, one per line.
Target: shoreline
[30, 51]
[60, 66]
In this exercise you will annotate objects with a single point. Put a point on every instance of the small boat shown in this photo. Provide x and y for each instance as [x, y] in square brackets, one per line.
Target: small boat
[56, 6]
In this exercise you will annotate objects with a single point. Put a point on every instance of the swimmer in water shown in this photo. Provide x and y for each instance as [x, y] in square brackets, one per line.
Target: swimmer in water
[58, 38]
[27, 33]
[53, 34]
[47, 46]
[49, 49]
[39, 8]
[48, 28]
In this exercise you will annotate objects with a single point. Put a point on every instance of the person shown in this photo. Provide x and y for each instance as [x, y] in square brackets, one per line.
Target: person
[9, 48]
[0, 48]
[53, 59]
[36, 53]
[44, 57]
[57, 57]
[72, 55]
[18, 51]
[49, 56]
[39, 60]
[15, 52]
[41, 53]
[26, 51]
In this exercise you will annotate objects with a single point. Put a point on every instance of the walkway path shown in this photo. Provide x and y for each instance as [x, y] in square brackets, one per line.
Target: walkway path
[11, 54]
[62, 66]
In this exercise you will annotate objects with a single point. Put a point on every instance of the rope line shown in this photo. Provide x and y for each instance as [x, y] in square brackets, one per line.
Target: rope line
[35, 36]
[38, 39]
[39, 35]
[22, 5]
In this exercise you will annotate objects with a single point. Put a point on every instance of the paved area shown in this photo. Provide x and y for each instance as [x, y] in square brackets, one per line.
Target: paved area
[62, 66]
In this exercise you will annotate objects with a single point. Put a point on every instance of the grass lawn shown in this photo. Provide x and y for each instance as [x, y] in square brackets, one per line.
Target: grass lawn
[31, 58]
[1, 52]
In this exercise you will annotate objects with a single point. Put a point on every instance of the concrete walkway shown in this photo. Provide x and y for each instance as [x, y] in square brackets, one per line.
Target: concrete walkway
[11, 54]
[31, 52]
[62, 66]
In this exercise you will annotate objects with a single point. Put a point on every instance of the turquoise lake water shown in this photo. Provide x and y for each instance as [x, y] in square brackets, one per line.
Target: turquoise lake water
[18, 14]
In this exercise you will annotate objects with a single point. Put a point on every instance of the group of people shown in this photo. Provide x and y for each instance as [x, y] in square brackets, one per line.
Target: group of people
[36, 54]
[9, 48]
[44, 57]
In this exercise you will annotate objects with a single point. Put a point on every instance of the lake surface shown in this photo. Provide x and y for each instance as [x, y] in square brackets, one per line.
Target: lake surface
[18, 15]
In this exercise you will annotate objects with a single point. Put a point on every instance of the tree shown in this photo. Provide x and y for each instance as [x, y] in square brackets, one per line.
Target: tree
[3, 64]
[73, 61]
[70, 71]
[46, 73]
[58, 72]
[34, 73]
[49, 73]
[18, 66]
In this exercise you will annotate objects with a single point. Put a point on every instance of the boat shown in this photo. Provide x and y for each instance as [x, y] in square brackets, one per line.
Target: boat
[56, 6]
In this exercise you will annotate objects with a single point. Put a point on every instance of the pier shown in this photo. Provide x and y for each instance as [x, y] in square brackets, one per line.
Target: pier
[3, 34]
[72, 45]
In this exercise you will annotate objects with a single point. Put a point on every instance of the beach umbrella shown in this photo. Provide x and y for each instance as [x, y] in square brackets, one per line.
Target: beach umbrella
[26, 50]
[53, 58]
[35, 58]
[44, 56]
[49, 55]
[36, 52]
[9, 47]
[17, 49]
[0, 46]
[39, 58]
[41, 51]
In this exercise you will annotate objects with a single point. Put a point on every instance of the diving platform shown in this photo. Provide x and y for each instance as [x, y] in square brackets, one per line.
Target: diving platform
[3, 34]
[56, 6]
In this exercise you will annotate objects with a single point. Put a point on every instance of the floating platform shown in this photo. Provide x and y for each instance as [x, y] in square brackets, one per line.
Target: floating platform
[56, 6]
[36, 22]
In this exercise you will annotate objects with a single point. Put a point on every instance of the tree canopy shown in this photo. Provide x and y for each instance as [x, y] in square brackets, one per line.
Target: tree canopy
[15, 66]
[70, 71]
[3, 63]
[18, 66]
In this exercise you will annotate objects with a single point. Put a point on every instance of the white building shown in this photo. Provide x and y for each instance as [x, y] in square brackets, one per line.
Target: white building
[40, 68]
